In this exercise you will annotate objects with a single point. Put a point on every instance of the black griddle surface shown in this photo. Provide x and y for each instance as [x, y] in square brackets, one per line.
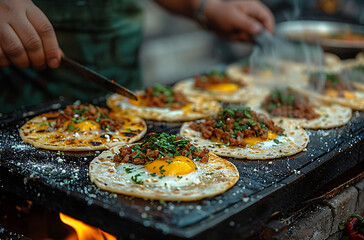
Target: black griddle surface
[59, 181]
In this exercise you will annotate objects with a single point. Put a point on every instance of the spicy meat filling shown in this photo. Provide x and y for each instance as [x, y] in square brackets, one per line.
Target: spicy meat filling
[163, 97]
[235, 125]
[73, 116]
[214, 78]
[331, 85]
[288, 103]
[160, 146]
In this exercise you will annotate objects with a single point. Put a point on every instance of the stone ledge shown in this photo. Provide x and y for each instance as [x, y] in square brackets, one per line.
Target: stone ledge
[311, 226]
[360, 203]
[342, 206]
[323, 220]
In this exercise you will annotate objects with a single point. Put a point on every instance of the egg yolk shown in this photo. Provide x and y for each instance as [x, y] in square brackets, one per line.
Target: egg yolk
[224, 87]
[178, 166]
[334, 93]
[349, 95]
[84, 126]
[254, 140]
[138, 102]
[187, 107]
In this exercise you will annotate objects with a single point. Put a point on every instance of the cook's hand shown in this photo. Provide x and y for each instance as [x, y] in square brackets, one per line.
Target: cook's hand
[238, 20]
[27, 38]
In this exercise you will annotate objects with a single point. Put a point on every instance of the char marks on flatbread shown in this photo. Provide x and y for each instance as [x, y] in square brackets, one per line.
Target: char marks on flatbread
[40, 132]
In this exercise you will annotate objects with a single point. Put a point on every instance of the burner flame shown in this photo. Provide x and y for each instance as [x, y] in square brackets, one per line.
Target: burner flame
[84, 231]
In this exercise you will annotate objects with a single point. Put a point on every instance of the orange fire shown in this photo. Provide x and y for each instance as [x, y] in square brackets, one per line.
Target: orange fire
[84, 231]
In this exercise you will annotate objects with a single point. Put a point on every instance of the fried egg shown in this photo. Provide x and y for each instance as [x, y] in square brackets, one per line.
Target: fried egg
[178, 179]
[178, 172]
[224, 92]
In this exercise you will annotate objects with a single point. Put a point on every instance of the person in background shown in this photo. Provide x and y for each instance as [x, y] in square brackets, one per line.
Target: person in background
[103, 35]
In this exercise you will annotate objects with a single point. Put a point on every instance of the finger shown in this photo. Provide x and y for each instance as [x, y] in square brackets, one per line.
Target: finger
[4, 61]
[47, 35]
[243, 36]
[30, 40]
[13, 47]
[239, 36]
[244, 23]
[262, 13]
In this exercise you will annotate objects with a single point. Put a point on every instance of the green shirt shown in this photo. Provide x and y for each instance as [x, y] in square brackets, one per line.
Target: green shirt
[104, 35]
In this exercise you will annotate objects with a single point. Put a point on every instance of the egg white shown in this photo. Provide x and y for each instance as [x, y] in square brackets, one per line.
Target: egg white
[126, 105]
[129, 171]
[271, 143]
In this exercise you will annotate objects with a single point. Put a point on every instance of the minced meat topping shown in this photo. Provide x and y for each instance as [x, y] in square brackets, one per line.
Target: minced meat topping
[213, 78]
[80, 113]
[288, 103]
[160, 146]
[163, 97]
[233, 124]
[332, 82]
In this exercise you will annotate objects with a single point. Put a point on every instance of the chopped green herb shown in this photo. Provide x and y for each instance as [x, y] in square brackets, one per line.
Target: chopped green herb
[80, 119]
[128, 170]
[70, 127]
[136, 180]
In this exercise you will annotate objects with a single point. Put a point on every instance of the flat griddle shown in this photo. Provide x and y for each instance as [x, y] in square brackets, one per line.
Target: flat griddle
[59, 181]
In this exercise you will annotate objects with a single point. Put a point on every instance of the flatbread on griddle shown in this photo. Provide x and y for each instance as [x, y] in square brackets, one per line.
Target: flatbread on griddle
[294, 141]
[209, 179]
[331, 115]
[41, 132]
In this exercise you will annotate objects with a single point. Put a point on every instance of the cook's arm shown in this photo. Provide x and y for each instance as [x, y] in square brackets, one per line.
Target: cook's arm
[235, 20]
[27, 38]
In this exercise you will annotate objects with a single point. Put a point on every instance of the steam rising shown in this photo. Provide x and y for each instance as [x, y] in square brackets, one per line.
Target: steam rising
[276, 62]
